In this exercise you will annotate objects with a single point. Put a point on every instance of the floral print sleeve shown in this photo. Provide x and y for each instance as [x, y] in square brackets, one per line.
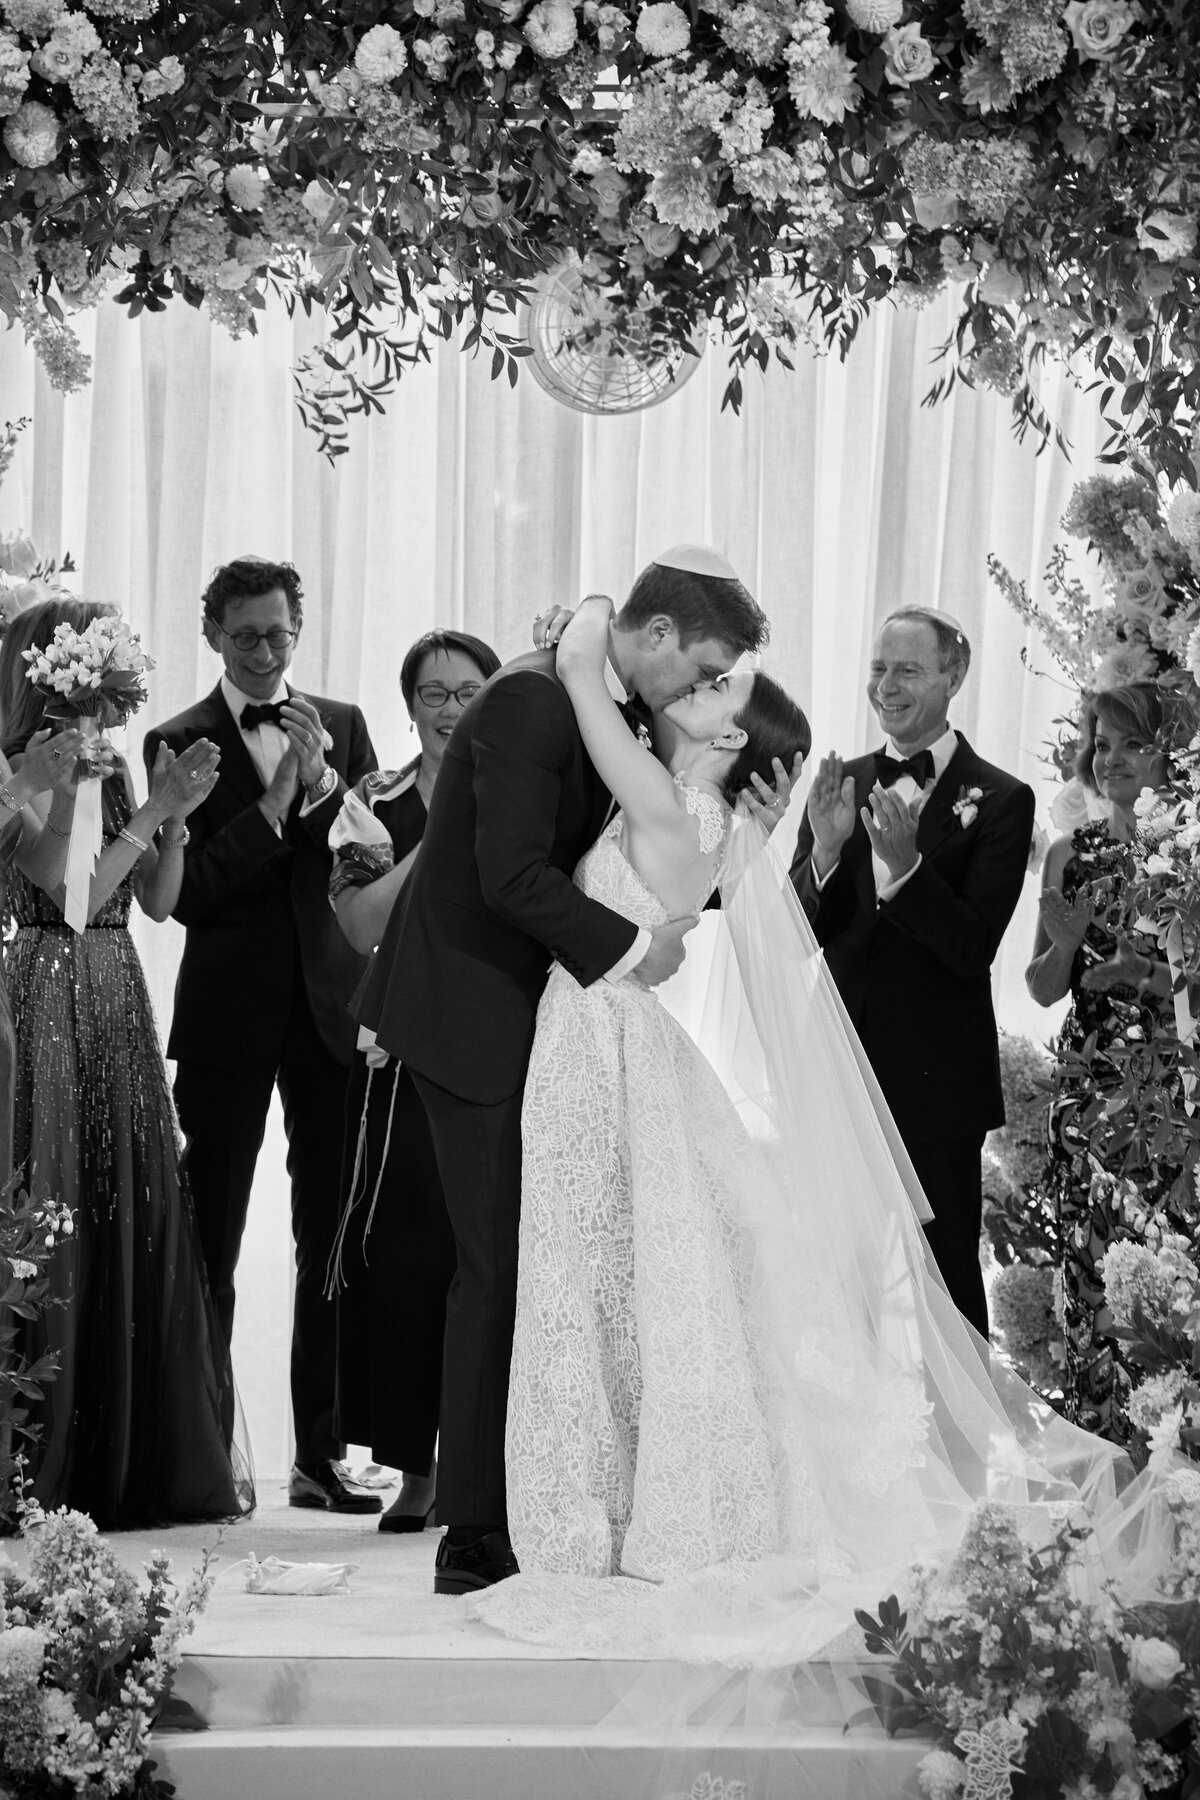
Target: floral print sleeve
[362, 847]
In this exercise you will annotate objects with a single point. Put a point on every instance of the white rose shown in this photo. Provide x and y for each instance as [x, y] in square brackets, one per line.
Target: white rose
[316, 202]
[381, 55]
[875, 15]
[18, 555]
[550, 30]
[1140, 592]
[663, 30]
[1097, 26]
[31, 135]
[1153, 1662]
[909, 57]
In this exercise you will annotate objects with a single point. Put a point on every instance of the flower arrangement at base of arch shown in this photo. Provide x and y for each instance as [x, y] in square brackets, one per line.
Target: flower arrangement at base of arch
[768, 168]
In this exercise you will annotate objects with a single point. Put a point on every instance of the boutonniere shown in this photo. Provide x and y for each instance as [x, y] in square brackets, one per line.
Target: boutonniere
[643, 735]
[966, 807]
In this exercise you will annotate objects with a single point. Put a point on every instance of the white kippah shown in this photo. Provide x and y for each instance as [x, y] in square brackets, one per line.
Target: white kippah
[698, 559]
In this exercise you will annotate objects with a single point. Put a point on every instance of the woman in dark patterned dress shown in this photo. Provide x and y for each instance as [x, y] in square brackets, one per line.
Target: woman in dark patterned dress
[1116, 992]
[396, 1254]
[136, 1425]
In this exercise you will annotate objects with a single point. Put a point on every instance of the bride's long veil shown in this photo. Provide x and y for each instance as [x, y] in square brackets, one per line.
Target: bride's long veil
[895, 1419]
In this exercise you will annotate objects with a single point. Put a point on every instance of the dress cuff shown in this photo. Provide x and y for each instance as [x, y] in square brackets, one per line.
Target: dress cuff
[631, 958]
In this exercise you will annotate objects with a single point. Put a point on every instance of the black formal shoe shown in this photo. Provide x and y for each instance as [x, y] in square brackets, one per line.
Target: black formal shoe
[461, 1568]
[327, 1486]
[395, 1520]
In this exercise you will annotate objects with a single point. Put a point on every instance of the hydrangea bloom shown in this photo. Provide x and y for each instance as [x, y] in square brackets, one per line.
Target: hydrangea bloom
[14, 74]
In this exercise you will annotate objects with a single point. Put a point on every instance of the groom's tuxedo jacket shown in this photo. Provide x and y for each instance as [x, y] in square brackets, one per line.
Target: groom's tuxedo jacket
[915, 971]
[256, 905]
[455, 984]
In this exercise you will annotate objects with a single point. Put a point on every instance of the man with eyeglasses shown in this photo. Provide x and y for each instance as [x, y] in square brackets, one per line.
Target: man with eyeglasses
[267, 975]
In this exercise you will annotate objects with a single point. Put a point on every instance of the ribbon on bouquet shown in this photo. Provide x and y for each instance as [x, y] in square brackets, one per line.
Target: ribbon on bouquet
[87, 832]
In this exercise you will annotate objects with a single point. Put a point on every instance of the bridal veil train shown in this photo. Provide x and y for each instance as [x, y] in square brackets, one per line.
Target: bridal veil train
[742, 1402]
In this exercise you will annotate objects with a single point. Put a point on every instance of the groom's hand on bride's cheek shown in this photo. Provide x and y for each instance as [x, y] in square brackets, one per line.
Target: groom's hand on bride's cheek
[666, 950]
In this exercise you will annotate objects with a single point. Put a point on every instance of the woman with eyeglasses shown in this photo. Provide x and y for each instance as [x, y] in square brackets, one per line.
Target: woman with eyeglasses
[395, 1255]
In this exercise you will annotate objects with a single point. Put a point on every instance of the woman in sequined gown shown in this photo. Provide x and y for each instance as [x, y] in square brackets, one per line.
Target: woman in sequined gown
[136, 1426]
[1116, 992]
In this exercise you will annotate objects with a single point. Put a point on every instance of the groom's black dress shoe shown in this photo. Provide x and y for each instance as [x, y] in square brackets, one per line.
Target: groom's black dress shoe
[461, 1568]
[326, 1486]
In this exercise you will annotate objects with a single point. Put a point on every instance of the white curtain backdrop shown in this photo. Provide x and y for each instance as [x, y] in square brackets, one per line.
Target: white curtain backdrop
[836, 494]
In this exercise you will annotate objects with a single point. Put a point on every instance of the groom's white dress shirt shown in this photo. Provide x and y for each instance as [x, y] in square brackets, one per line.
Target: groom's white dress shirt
[907, 790]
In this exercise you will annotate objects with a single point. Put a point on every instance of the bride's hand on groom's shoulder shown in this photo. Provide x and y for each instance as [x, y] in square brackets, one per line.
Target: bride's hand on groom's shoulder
[549, 626]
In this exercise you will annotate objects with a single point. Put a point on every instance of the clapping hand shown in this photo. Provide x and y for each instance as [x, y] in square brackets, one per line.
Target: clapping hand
[179, 783]
[766, 804]
[831, 811]
[306, 736]
[892, 828]
[50, 759]
[1064, 921]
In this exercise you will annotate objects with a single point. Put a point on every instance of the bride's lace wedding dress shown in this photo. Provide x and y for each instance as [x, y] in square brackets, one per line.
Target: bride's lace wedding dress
[736, 1377]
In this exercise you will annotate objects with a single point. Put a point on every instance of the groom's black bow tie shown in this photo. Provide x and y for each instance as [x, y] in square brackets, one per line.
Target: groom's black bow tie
[254, 716]
[889, 769]
[636, 714]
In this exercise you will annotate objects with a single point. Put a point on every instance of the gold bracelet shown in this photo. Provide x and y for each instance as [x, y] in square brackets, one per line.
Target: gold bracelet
[138, 843]
[7, 799]
[55, 830]
[174, 843]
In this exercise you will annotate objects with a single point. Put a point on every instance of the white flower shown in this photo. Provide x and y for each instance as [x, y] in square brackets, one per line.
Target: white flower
[1167, 235]
[1153, 1662]
[1183, 520]
[663, 30]
[18, 555]
[941, 1774]
[22, 1652]
[824, 86]
[316, 202]
[381, 55]
[909, 56]
[31, 135]
[23, 1270]
[875, 15]
[167, 78]
[1140, 592]
[550, 30]
[246, 189]
[1192, 655]
[1097, 26]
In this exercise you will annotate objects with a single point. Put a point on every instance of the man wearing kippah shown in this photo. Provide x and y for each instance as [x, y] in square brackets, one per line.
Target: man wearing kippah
[909, 863]
[454, 988]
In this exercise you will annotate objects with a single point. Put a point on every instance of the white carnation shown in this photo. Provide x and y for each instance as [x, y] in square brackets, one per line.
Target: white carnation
[31, 135]
[663, 30]
[1183, 520]
[941, 1774]
[381, 55]
[245, 188]
[550, 30]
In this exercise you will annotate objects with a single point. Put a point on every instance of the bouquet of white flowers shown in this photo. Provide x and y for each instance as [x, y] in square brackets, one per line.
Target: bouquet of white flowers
[86, 1660]
[95, 673]
[93, 677]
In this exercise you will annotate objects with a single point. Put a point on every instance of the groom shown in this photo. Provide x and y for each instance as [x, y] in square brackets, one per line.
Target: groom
[455, 985]
[910, 863]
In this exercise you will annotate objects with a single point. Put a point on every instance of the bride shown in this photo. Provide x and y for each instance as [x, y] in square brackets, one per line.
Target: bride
[741, 1401]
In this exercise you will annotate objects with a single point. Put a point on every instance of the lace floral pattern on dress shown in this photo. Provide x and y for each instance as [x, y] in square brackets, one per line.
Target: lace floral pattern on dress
[653, 1428]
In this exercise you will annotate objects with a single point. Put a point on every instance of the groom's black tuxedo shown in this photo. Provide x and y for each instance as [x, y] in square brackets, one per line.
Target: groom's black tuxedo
[915, 975]
[454, 991]
[261, 1000]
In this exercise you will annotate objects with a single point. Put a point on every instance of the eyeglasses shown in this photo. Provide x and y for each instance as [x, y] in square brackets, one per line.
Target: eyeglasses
[434, 694]
[277, 638]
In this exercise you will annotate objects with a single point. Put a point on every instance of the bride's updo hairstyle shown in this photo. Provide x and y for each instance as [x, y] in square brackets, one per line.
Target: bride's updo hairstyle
[774, 726]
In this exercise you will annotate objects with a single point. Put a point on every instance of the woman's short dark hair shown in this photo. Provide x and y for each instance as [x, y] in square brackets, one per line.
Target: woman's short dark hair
[245, 578]
[1135, 711]
[699, 606]
[481, 654]
[774, 726]
[23, 706]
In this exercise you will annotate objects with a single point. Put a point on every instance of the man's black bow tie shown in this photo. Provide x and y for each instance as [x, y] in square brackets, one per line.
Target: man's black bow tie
[636, 713]
[254, 716]
[889, 769]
